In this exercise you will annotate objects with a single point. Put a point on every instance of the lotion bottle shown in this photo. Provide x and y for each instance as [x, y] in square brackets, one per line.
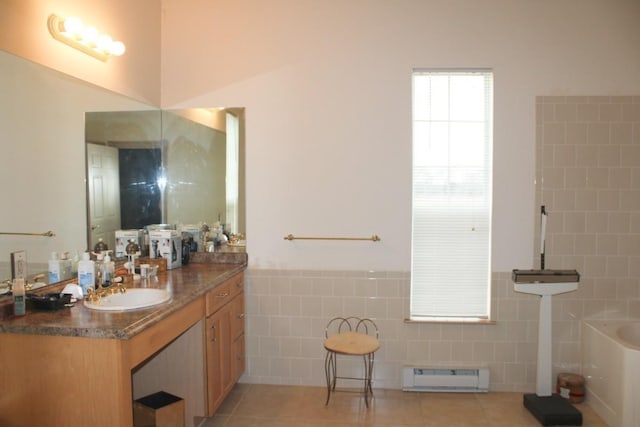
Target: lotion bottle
[86, 273]
[19, 303]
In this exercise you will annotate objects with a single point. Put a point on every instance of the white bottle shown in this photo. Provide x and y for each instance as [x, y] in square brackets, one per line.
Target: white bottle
[86, 273]
[19, 303]
[55, 268]
[108, 270]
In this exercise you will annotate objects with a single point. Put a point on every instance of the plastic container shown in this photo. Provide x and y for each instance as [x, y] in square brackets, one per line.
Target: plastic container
[86, 273]
[571, 386]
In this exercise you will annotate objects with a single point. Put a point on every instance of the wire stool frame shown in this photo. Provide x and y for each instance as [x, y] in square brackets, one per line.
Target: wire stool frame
[339, 325]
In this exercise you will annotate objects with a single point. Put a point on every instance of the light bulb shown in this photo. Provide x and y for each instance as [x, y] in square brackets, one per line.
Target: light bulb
[104, 42]
[117, 48]
[73, 26]
[89, 35]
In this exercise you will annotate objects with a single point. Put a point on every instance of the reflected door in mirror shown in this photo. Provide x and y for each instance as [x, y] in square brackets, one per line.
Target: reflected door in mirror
[103, 193]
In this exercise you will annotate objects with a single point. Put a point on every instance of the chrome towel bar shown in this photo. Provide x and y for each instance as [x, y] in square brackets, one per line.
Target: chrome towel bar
[374, 238]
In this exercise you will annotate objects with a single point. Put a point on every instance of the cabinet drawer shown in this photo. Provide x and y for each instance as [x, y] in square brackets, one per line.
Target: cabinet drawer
[236, 284]
[218, 297]
[223, 293]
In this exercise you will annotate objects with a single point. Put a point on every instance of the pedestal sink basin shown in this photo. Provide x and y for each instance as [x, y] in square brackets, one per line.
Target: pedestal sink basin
[133, 299]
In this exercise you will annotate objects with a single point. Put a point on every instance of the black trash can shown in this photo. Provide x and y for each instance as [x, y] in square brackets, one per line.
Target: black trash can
[159, 409]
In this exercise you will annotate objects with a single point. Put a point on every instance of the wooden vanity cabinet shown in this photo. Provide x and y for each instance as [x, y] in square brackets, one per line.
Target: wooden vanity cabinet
[224, 326]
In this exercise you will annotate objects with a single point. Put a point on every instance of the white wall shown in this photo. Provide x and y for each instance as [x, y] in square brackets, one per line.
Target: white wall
[328, 95]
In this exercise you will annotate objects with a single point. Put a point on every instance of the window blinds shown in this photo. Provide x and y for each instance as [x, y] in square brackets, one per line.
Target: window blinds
[451, 215]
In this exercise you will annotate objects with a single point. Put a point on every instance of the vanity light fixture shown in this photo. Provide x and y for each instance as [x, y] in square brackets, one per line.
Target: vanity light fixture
[74, 33]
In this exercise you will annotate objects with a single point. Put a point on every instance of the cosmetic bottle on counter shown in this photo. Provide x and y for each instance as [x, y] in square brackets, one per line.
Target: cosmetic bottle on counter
[19, 303]
[86, 273]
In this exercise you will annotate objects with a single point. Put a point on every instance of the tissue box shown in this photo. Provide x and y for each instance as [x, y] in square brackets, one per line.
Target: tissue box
[123, 237]
[166, 244]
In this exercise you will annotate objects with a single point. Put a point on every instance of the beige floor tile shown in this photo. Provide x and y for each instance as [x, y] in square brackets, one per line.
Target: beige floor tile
[293, 406]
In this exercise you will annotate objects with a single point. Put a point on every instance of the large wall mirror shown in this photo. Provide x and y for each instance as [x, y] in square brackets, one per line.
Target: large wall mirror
[43, 114]
[177, 167]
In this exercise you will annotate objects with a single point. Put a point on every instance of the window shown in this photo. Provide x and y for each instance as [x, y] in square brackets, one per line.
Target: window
[232, 177]
[451, 215]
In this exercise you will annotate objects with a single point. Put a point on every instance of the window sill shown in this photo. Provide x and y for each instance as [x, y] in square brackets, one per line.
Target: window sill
[452, 320]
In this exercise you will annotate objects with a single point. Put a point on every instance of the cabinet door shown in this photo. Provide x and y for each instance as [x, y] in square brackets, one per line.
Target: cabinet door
[218, 358]
[237, 316]
[237, 336]
[238, 358]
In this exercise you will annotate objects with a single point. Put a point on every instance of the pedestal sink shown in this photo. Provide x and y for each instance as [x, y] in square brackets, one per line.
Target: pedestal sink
[548, 408]
[132, 299]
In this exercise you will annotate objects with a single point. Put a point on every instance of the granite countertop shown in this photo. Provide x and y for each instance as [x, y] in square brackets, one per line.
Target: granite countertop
[187, 284]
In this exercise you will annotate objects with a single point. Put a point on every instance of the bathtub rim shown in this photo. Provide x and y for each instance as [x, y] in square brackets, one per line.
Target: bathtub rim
[610, 329]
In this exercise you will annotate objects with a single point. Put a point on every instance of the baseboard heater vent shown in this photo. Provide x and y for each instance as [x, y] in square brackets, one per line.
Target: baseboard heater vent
[461, 380]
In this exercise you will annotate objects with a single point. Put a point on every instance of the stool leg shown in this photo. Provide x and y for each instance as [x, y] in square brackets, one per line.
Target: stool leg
[371, 357]
[367, 378]
[329, 370]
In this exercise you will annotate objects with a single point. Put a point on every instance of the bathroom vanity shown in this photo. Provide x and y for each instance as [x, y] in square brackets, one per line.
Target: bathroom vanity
[78, 366]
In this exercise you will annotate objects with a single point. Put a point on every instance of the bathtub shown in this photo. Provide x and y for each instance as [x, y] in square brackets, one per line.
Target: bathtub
[611, 367]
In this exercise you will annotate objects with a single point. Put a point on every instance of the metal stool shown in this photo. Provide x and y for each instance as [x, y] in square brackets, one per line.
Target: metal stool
[350, 336]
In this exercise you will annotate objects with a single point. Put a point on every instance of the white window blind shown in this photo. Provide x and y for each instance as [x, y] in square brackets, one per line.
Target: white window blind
[452, 170]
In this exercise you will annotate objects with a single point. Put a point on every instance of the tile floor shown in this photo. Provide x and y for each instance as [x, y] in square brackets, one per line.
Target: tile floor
[292, 406]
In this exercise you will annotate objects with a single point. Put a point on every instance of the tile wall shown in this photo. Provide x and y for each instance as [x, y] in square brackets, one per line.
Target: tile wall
[588, 177]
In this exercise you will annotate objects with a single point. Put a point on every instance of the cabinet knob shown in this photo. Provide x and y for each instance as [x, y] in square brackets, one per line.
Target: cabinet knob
[223, 295]
[241, 316]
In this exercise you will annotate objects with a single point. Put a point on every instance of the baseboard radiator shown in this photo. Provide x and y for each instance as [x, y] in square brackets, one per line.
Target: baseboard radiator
[460, 380]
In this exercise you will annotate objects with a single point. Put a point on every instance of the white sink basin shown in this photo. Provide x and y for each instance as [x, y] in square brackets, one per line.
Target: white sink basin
[133, 299]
